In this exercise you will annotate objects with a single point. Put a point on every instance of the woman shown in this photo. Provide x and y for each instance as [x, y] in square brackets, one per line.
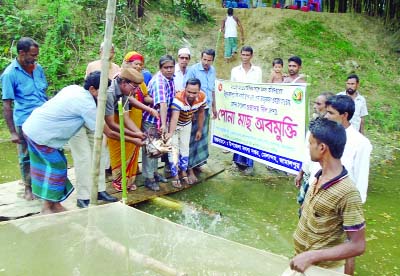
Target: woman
[139, 101]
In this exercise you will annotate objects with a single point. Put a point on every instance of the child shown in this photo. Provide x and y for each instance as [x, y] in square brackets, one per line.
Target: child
[276, 75]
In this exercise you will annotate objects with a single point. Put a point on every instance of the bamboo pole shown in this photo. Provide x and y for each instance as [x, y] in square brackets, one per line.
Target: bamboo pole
[123, 158]
[101, 99]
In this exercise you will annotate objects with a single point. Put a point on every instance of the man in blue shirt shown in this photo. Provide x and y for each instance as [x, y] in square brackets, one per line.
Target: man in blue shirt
[24, 89]
[205, 72]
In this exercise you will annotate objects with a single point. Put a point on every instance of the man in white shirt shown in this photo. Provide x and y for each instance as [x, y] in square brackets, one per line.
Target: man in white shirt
[356, 155]
[248, 73]
[181, 69]
[352, 85]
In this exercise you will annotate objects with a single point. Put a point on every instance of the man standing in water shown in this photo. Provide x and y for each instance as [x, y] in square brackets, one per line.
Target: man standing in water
[24, 89]
[331, 226]
[249, 73]
[294, 66]
[205, 72]
[358, 120]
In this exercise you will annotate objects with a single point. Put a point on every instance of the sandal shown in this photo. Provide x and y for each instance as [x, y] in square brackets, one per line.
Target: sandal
[132, 187]
[176, 183]
[186, 181]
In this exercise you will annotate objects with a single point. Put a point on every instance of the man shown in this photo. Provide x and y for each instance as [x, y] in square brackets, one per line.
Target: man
[82, 143]
[181, 68]
[356, 153]
[24, 89]
[123, 87]
[185, 103]
[358, 120]
[162, 90]
[249, 73]
[294, 66]
[340, 108]
[229, 28]
[302, 178]
[96, 65]
[332, 210]
[205, 72]
[48, 129]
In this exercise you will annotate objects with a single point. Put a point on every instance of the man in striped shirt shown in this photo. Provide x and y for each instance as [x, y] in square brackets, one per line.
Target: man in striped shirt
[332, 210]
[185, 103]
[162, 90]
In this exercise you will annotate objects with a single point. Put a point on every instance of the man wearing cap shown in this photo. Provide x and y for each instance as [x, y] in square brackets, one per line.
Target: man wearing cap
[123, 87]
[181, 68]
[162, 90]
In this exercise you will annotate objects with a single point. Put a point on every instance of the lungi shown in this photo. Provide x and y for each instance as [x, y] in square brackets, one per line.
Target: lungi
[49, 172]
[198, 151]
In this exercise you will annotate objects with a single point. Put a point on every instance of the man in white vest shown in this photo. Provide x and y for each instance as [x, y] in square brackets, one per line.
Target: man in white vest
[229, 28]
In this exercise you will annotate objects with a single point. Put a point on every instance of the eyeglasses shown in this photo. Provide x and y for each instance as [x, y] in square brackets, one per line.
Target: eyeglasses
[187, 58]
[134, 85]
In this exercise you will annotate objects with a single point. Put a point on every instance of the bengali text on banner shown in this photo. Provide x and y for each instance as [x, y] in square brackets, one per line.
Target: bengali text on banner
[264, 122]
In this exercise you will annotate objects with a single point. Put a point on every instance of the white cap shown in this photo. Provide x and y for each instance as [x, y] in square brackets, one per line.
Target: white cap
[183, 51]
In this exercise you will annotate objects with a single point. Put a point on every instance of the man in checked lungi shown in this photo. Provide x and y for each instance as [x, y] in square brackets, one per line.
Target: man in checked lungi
[48, 129]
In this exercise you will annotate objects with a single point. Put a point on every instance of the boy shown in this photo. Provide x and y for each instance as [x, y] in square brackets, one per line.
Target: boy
[276, 75]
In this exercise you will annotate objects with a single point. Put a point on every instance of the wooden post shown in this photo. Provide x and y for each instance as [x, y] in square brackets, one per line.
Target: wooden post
[101, 99]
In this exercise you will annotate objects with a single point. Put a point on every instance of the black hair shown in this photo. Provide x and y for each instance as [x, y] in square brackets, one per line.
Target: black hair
[342, 103]
[247, 49]
[277, 61]
[164, 59]
[230, 11]
[93, 79]
[331, 134]
[193, 81]
[295, 59]
[25, 44]
[209, 52]
[353, 76]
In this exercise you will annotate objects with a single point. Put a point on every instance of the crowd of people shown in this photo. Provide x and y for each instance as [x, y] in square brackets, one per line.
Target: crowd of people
[177, 103]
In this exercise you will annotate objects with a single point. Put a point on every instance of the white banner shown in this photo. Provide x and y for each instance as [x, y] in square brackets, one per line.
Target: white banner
[264, 122]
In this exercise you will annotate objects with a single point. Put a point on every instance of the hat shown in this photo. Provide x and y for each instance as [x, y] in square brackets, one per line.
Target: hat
[183, 51]
[132, 56]
[131, 75]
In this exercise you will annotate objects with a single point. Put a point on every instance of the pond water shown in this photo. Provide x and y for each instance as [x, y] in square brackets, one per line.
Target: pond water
[261, 211]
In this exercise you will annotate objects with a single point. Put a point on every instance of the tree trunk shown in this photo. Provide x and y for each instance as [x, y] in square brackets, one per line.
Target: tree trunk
[331, 6]
[342, 6]
[140, 8]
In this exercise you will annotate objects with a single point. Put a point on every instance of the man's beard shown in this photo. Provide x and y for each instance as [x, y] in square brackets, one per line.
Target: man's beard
[350, 91]
[30, 66]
